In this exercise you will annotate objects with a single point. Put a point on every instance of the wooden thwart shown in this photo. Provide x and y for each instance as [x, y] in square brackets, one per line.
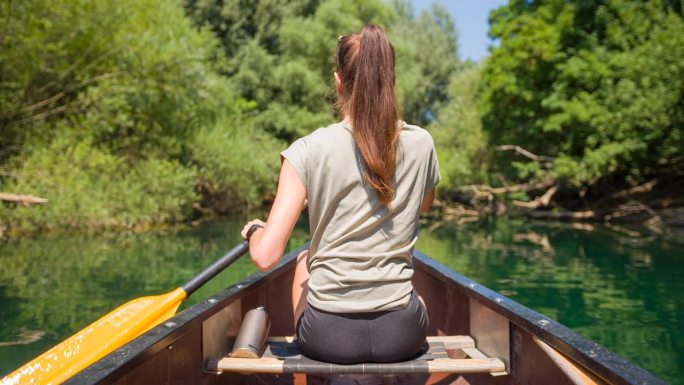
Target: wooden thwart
[282, 355]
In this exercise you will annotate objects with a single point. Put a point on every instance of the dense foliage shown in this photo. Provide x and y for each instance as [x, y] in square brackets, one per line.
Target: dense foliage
[597, 85]
[130, 113]
[458, 134]
[135, 112]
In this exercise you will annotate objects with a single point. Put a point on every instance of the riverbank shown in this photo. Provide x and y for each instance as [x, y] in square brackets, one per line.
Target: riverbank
[657, 218]
[657, 205]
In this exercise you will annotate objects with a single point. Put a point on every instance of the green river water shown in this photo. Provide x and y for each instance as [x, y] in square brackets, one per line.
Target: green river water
[626, 293]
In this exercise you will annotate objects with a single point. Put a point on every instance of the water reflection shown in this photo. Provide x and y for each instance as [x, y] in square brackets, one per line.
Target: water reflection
[52, 286]
[625, 293]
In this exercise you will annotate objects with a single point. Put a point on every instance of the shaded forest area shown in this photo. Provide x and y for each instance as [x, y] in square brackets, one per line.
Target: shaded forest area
[134, 113]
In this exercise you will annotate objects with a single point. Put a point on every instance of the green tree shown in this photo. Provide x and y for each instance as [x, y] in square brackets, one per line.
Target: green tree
[289, 73]
[457, 131]
[104, 110]
[427, 58]
[236, 23]
[596, 84]
[129, 113]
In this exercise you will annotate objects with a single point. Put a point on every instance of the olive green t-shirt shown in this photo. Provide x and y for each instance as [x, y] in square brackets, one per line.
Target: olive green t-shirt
[360, 255]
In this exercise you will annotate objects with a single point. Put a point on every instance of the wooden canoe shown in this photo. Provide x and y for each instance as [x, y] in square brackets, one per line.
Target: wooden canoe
[533, 348]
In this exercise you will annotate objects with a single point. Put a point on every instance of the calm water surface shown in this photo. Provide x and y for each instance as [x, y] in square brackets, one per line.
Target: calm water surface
[625, 293]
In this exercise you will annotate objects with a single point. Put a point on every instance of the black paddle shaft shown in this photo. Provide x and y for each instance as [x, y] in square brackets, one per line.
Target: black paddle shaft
[215, 268]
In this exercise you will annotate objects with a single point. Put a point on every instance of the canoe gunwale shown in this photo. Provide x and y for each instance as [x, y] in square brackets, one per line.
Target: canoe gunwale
[587, 353]
[114, 365]
[599, 360]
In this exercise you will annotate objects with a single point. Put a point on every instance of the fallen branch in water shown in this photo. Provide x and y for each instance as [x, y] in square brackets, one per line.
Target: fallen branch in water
[542, 201]
[485, 198]
[630, 209]
[640, 189]
[622, 230]
[565, 215]
[451, 213]
[556, 199]
[484, 195]
[25, 200]
[482, 189]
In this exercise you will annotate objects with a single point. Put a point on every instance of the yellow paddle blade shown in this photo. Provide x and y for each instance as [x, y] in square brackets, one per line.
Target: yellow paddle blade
[97, 340]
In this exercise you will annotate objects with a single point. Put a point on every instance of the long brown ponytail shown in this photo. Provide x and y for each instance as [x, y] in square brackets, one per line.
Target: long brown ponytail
[365, 64]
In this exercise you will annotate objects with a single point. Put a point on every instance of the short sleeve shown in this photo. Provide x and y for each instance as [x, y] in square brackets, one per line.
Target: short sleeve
[433, 177]
[297, 155]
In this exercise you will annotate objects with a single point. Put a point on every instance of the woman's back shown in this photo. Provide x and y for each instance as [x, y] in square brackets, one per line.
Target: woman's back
[366, 180]
[360, 255]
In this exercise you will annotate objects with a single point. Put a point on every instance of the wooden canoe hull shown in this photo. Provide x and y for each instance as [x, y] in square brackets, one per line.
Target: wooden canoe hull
[536, 350]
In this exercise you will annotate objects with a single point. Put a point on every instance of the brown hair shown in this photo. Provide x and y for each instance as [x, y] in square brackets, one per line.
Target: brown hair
[365, 63]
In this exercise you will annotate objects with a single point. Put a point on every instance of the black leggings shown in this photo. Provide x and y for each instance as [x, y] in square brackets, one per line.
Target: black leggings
[350, 338]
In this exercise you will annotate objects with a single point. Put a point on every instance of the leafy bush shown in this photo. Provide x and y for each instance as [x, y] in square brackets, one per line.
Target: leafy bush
[101, 104]
[90, 188]
[238, 165]
[457, 131]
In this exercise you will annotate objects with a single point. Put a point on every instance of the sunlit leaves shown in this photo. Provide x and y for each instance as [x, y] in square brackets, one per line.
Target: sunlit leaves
[597, 84]
[103, 114]
[458, 134]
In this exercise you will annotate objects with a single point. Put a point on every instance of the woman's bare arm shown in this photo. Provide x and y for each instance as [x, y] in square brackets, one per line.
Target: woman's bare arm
[427, 201]
[266, 245]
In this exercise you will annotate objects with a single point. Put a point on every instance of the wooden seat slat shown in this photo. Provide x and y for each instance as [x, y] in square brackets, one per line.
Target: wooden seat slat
[282, 355]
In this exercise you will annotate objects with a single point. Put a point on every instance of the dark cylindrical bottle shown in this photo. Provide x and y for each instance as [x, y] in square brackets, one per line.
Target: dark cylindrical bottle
[251, 339]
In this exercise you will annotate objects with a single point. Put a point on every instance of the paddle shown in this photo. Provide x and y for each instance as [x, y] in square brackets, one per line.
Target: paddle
[113, 330]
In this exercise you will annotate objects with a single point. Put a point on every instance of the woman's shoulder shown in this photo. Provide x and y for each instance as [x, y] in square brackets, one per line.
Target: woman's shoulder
[412, 134]
[330, 134]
